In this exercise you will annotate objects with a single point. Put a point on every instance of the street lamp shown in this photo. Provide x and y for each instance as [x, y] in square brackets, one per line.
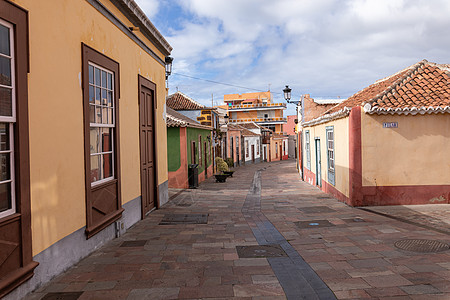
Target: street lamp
[226, 118]
[168, 61]
[287, 93]
[287, 96]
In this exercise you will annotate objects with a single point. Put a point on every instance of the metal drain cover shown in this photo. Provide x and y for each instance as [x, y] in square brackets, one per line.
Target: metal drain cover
[273, 250]
[173, 219]
[133, 243]
[422, 246]
[313, 224]
[62, 296]
[315, 209]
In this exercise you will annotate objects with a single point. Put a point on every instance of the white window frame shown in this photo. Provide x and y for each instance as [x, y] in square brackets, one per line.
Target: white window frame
[247, 154]
[308, 150]
[101, 125]
[257, 147]
[331, 156]
[10, 121]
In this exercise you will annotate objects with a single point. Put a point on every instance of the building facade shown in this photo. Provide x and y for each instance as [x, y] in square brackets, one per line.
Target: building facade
[387, 144]
[82, 132]
[188, 143]
[256, 107]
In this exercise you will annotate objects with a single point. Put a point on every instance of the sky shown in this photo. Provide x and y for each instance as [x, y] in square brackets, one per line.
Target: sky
[325, 48]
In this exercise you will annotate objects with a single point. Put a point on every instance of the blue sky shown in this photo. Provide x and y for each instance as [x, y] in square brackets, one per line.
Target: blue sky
[325, 48]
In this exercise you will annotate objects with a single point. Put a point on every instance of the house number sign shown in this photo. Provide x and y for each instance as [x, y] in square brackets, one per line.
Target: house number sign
[390, 125]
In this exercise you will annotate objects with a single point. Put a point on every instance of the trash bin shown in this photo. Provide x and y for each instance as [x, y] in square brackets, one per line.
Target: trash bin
[193, 176]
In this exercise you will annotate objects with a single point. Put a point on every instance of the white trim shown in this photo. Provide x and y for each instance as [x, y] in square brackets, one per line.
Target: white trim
[10, 121]
[102, 125]
[405, 111]
[11, 118]
[328, 117]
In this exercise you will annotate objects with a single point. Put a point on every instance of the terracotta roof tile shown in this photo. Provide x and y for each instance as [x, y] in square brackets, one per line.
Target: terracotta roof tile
[246, 132]
[250, 125]
[176, 119]
[180, 101]
[422, 87]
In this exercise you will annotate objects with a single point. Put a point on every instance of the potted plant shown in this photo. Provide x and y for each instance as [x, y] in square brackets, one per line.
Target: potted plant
[230, 163]
[221, 167]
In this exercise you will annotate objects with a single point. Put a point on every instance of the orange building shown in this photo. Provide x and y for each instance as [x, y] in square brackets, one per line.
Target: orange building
[259, 108]
[256, 107]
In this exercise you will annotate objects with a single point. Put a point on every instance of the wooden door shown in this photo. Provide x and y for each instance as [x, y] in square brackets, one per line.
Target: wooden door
[205, 154]
[318, 164]
[147, 145]
[253, 153]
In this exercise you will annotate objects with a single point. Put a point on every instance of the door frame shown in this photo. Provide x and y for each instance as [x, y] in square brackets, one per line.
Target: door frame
[144, 82]
[253, 152]
[205, 159]
[318, 162]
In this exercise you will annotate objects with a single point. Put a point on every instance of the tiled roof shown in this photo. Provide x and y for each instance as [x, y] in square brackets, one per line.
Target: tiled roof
[421, 88]
[176, 119]
[233, 127]
[246, 132]
[250, 125]
[180, 101]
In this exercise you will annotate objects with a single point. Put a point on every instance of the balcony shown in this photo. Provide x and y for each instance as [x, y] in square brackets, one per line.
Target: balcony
[263, 121]
[257, 106]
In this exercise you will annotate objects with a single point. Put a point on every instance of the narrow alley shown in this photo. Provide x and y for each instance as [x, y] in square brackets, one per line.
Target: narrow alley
[264, 234]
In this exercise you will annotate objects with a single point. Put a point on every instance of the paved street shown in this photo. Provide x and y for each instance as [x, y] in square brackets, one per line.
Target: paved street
[265, 234]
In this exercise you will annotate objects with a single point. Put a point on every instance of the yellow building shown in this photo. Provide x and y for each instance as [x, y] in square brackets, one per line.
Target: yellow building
[82, 89]
[387, 144]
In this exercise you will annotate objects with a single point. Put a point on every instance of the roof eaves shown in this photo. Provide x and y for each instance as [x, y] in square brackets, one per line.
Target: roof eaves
[406, 111]
[147, 28]
[328, 117]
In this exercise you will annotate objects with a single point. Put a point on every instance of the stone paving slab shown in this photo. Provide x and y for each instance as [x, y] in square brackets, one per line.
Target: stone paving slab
[353, 259]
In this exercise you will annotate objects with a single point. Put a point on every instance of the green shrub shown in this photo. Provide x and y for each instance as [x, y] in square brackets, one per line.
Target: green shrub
[230, 162]
[221, 164]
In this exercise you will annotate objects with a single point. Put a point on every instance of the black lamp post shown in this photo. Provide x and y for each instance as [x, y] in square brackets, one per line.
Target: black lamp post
[287, 96]
[287, 93]
[168, 62]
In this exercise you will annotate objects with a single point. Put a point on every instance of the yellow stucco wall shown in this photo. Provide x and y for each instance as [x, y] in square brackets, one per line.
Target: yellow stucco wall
[341, 152]
[415, 153]
[57, 29]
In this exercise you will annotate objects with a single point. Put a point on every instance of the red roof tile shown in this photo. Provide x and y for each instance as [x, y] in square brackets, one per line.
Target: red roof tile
[176, 119]
[421, 88]
[180, 101]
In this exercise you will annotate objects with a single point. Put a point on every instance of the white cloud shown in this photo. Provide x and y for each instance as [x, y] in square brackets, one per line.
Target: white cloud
[150, 7]
[325, 48]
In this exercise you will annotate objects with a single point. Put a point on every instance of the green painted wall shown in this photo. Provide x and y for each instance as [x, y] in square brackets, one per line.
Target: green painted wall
[173, 148]
[192, 135]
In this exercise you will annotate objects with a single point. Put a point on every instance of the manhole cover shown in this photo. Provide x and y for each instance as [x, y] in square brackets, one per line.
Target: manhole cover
[272, 250]
[62, 296]
[133, 243]
[354, 220]
[172, 219]
[183, 204]
[316, 209]
[314, 224]
[422, 246]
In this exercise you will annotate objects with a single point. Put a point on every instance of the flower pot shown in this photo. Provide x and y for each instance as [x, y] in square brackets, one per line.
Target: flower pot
[220, 177]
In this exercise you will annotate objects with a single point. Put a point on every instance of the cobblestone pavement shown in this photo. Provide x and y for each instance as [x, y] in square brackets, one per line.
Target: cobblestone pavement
[267, 235]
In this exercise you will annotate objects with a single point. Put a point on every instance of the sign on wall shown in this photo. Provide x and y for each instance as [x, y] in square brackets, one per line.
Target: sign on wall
[390, 125]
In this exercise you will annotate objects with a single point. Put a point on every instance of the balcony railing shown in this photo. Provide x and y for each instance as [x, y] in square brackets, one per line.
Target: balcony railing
[259, 120]
[256, 105]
